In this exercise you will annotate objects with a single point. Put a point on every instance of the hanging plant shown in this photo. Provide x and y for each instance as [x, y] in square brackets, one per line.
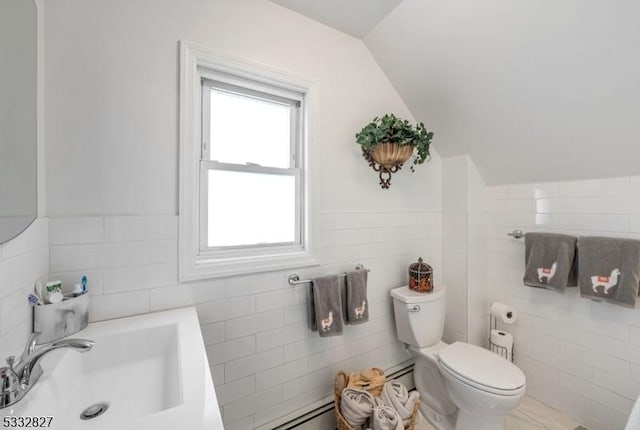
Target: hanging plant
[388, 142]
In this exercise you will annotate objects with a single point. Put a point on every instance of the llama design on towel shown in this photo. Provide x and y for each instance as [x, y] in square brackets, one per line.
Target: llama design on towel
[606, 282]
[359, 310]
[547, 273]
[326, 322]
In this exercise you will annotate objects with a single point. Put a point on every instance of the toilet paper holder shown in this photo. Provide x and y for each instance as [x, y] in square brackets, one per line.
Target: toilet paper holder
[502, 351]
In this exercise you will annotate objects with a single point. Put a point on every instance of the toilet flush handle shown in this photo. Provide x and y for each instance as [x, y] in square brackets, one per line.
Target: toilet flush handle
[414, 308]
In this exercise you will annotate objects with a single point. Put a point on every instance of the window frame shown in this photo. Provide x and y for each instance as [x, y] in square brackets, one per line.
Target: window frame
[252, 89]
[197, 260]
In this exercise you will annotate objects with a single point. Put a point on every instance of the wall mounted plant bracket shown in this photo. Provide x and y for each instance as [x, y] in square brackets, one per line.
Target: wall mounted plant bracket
[384, 172]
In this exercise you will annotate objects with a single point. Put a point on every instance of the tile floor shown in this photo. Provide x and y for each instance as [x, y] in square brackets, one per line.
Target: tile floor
[530, 415]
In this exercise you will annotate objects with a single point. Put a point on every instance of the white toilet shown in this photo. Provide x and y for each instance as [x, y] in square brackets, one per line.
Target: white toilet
[461, 386]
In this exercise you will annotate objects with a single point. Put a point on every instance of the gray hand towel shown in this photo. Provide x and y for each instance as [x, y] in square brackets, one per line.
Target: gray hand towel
[311, 312]
[357, 303]
[327, 303]
[550, 260]
[609, 269]
[312, 306]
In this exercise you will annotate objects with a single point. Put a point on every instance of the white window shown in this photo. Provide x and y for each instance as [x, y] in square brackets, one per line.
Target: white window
[251, 181]
[243, 193]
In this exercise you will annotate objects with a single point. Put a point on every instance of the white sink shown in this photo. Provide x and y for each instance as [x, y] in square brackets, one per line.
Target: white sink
[151, 370]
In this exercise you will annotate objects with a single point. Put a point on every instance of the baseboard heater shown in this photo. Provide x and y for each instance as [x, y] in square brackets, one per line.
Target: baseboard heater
[322, 416]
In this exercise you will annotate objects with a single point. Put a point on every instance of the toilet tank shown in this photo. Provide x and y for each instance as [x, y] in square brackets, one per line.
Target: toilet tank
[419, 316]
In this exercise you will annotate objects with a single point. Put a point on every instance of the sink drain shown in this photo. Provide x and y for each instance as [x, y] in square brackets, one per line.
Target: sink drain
[94, 411]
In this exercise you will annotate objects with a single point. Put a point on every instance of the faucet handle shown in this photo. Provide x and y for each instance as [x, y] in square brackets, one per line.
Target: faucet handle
[10, 386]
[11, 361]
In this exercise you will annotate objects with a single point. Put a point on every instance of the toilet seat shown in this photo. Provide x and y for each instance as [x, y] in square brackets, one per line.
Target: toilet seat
[481, 369]
[496, 391]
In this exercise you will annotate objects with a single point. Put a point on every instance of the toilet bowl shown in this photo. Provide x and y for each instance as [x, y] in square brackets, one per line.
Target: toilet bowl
[461, 386]
[484, 386]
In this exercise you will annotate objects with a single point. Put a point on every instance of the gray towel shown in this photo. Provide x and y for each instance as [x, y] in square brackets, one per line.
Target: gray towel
[356, 406]
[550, 261]
[396, 395]
[609, 269]
[385, 417]
[327, 305]
[312, 306]
[357, 303]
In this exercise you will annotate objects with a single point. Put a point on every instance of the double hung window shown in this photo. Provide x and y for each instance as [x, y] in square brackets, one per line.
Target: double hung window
[250, 180]
[244, 203]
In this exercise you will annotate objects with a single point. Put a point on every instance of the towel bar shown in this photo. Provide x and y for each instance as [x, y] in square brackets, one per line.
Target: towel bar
[295, 279]
[517, 234]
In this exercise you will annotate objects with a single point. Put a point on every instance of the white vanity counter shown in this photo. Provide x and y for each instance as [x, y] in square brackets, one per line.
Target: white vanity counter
[151, 369]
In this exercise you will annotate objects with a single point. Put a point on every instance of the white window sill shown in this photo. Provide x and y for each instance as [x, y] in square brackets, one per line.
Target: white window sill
[204, 267]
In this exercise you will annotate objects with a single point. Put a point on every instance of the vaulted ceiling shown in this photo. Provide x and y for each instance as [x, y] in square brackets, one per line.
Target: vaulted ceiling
[532, 90]
[355, 17]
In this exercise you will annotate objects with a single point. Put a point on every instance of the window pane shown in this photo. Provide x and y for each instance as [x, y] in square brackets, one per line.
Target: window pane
[251, 208]
[246, 129]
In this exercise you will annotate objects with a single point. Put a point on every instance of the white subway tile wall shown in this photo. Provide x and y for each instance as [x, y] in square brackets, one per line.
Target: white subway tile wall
[265, 362]
[464, 251]
[23, 261]
[579, 356]
[455, 207]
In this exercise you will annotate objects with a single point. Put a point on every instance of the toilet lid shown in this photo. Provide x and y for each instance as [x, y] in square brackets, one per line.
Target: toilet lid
[481, 366]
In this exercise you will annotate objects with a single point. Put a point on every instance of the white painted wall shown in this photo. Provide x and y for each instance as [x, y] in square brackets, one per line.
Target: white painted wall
[112, 145]
[579, 356]
[112, 100]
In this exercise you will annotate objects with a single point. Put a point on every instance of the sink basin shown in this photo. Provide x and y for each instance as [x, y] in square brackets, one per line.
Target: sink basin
[149, 371]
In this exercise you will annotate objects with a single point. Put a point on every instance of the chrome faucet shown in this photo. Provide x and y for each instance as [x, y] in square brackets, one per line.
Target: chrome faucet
[17, 379]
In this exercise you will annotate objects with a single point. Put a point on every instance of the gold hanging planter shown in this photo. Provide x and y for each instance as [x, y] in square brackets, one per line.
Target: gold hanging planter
[387, 158]
[388, 142]
[391, 155]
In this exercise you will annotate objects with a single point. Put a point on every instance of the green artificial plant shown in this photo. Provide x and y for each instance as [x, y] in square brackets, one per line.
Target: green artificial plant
[392, 129]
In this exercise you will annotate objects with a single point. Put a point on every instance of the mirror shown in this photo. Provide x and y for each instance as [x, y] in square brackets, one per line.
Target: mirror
[18, 116]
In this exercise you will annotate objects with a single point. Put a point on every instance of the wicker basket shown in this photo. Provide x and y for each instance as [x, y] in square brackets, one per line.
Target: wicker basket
[342, 380]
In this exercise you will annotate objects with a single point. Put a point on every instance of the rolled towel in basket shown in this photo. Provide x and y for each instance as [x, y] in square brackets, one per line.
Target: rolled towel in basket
[385, 417]
[356, 406]
[371, 380]
[396, 395]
